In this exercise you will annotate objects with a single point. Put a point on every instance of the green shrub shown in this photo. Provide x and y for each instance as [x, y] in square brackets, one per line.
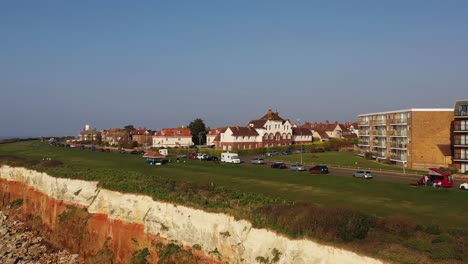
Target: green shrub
[398, 225]
[355, 227]
[139, 257]
[432, 229]
[16, 203]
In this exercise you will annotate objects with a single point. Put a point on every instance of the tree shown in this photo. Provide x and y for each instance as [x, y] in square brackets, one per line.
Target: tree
[198, 129]
[129, 128]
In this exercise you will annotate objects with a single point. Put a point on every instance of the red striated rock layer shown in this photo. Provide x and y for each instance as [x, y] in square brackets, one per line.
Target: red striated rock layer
[95, 237]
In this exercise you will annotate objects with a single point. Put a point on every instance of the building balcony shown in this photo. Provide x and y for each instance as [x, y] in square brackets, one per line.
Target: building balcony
[379, 123]
[398, 157]
[363, 123]
[459, 143]
[397, 133]
[459, 157]
[463, 114]
[397, 145]
[399, 121]
[460, 129]
[381, 133]
[363, 144]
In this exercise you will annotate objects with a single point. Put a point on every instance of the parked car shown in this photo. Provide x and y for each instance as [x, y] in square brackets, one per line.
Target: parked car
[134, 152]
[272, 153]
[297, 167]
[257, 161]
[363, 174]
[464, 186]
[192, 155]
[212, 158]
[278, 165]
[202, 156]
[319, 169]
[286, 152]
[299, 151]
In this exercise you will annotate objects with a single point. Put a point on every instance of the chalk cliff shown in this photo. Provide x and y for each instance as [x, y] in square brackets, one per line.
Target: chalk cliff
[129, 222]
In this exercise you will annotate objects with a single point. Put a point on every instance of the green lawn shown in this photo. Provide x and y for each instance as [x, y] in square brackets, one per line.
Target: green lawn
[126, 172]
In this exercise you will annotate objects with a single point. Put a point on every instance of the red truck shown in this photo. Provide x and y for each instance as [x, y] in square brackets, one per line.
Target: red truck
[437, 178]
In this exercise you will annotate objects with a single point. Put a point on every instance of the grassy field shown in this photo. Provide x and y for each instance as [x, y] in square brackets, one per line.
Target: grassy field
[125, 172]
[391, 221]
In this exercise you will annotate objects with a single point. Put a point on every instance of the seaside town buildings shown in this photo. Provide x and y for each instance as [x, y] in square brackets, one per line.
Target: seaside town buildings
[415, 138]
[172, 137]
[89, 134]
[460, 136]
[142, 136]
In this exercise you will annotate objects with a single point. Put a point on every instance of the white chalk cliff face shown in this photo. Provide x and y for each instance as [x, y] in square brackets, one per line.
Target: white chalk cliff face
[219, 235]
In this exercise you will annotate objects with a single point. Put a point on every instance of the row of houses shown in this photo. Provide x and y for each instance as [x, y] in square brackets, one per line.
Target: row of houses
[270, 130]
[167, 137]
[417, 138]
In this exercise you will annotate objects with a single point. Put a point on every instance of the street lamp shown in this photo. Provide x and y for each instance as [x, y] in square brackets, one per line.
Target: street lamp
[301, 136]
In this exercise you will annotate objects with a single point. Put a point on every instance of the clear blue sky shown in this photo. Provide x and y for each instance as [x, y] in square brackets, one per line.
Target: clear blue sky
[162, 64]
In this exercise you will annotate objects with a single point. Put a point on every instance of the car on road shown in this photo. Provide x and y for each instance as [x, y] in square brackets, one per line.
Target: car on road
[201, 156]
[297, 167]
[299, 151]
[212, 158]
[362, 174]
[286, 152]
[319, 169]
[278, 165]
[272, 153]
[464, 186]
[257, 161]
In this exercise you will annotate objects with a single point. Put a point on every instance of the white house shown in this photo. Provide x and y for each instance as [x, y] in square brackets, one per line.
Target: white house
[172, 137]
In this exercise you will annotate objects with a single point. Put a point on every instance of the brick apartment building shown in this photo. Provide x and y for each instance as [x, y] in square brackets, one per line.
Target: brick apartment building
[460, 136]
[414, 137]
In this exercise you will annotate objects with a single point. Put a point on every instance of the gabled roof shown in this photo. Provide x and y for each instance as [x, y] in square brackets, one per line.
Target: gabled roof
[216, 131]
[270, 115]
[243, 131]
[257, 123]
[349, 136]
[301, 131]
[174, 132]
[91, 131]
[140, 131]
[325, 126]
[322, 133]
[153, 154]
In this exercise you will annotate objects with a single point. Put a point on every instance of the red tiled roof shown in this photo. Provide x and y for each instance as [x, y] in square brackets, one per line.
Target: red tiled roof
[301, 131]
[216, 131]
[243, 131]
[257, 123]
[153, 154]
[324, 126]
[174, 132]
[140, 131]
[270, 115]
[349, 136]
[322, 133]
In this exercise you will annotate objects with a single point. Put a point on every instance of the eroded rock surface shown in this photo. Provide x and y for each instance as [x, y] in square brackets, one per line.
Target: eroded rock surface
[19, 245]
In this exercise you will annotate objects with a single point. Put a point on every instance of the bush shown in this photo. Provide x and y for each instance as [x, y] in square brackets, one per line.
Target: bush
[368, 155]
[355, 227]
[398, 225]
[432, 229]
[303, 219]
[51, 163]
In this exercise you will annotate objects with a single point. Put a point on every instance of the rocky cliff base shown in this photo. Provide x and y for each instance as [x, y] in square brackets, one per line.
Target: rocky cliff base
[18, 245]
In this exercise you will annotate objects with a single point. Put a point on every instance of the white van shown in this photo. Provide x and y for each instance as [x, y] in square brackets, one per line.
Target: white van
[230, 157]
